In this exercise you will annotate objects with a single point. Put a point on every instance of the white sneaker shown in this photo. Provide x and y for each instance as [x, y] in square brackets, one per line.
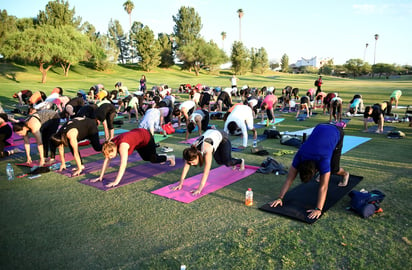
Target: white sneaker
[166, 149]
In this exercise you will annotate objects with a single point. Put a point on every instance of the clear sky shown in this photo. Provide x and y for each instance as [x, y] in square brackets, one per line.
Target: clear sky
[338, 29]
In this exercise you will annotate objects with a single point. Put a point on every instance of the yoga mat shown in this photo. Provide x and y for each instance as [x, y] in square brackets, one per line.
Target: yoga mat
[97, 165]
[190, 141]
[160, 137]
[134, 174]
[277, 120]
[350, 142]
[116, 132]
[305, 196]
[68, 157]
[21, 142]
[218, 178]
[308, 131]
[386, 129]
[239, 141]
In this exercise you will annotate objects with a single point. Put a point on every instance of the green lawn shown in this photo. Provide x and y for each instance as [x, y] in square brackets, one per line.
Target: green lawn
[54, 222]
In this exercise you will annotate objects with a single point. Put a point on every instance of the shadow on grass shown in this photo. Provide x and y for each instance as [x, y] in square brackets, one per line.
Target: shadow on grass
[9, 70]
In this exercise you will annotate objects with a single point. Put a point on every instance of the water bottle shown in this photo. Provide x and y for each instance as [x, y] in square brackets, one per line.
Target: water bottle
[10, 172]
[254, 143]
[249, 197]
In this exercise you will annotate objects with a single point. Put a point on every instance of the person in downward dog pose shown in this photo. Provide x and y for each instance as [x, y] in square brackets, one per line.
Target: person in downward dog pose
[138, 139]
[212, 144]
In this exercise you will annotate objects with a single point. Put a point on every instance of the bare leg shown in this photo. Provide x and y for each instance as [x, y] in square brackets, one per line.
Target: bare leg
[345, 178]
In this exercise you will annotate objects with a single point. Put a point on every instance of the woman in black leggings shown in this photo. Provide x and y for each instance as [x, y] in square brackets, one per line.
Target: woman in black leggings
[42, 124]
[70, 134]
[105, 114]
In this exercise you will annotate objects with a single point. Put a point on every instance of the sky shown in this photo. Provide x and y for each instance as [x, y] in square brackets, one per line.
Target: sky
[338, 29]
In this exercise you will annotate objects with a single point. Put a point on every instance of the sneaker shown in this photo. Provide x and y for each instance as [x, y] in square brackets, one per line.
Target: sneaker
[166, 149]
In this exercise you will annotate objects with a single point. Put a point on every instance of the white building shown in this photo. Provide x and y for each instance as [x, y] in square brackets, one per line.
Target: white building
[313, 62]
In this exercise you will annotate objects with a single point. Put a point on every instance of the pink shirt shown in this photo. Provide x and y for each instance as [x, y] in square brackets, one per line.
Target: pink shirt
[270, 100]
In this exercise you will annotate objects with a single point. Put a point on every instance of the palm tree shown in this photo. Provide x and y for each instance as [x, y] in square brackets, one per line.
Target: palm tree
[128, 7]
[223, 38]
[376, 41]
[240, 13]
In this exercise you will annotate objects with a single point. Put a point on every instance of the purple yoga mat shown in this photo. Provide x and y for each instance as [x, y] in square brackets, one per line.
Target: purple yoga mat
[135, 174]
[218, 178]
[97, 165]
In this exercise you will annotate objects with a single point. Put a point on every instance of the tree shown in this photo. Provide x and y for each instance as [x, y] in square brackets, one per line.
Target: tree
[73, 46]
[148, 48]
[166, 50]
[213, 56]
[382, 68]
[284, 63]
[117, 35]
[223, 34]
[240, 58]
[186, 32]
[259, 60]
[7, 25]
[240, 15]
[47, 46]
[354, 66]
[187, 26]
[57, 13]
[128, 7]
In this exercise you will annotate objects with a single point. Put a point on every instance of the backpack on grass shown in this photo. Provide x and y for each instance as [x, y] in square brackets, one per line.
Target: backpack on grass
[366, 203]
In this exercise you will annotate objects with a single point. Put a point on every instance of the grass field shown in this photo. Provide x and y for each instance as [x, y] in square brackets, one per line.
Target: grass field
[53, 222]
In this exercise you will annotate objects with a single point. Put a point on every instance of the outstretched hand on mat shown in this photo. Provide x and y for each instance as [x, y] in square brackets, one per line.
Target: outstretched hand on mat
[196, 192]
[314, 213]
[276, 203]
[178, 187]
[111, 184]
[96, 180]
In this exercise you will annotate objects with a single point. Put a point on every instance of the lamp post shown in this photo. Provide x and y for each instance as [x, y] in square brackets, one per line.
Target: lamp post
[376, 41]
[364, 53]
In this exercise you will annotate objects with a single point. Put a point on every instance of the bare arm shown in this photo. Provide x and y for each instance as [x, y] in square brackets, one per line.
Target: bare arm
[105, 164]
[72, 138]
[323, 190]
[208, 165]
[289, 180]
[62, 159]
[124, 155]
[182, 177]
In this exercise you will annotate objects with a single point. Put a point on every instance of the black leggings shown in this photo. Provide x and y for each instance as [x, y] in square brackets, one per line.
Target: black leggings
[47, 130]
[148, 152]
[94, 141]
[106, 112]
[205, 120]
[5, 134]
[223, 154]
[335, 160]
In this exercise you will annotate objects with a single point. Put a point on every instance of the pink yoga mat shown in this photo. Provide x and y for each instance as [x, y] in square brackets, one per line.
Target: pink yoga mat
[190, 141]
[218, 178]
[135, 174]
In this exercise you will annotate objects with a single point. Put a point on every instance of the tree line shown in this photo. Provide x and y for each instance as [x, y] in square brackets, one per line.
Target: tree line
[56, 37]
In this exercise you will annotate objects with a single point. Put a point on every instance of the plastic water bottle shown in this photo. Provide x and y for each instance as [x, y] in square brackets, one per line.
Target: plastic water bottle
[10, 172]
[249, 197]
[254, 143]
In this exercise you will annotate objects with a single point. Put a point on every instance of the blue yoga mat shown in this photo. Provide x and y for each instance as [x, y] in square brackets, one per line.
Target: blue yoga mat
[350, 142]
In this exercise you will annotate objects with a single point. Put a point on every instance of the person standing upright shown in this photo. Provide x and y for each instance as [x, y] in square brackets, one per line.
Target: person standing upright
[318, 84]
